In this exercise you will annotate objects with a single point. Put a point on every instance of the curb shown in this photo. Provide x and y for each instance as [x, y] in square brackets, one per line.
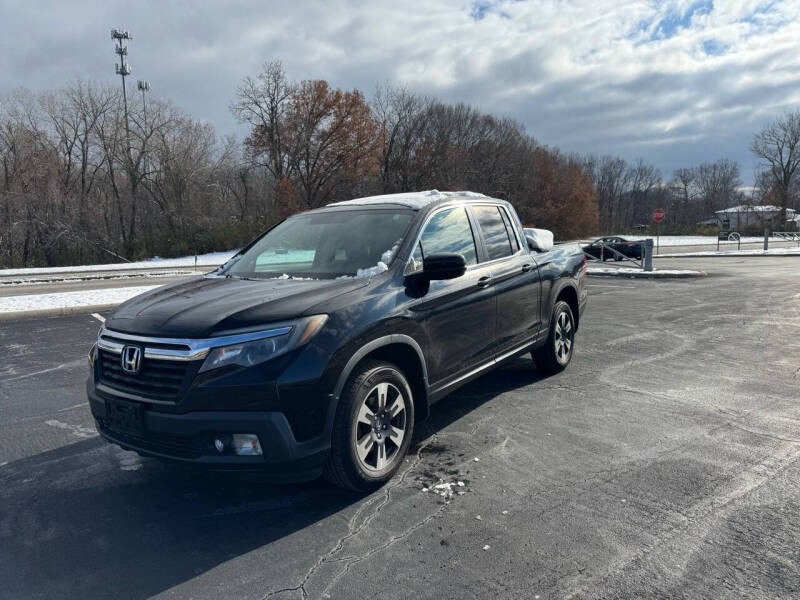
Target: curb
[56, 312]
[650, 275]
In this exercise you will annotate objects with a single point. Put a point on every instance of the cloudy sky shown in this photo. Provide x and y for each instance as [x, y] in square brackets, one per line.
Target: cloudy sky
[676, 82]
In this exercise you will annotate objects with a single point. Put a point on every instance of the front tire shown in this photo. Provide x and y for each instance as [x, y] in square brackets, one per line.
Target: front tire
[372, 428]
[557, 351]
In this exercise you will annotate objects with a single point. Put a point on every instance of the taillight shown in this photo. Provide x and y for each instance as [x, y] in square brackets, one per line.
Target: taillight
[630, 245]
[585, 268]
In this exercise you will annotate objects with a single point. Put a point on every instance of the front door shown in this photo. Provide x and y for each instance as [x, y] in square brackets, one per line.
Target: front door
[458, 314]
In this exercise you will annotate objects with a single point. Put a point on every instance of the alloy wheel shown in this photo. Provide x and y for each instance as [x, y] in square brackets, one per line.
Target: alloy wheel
[563, 337]
[380, 427]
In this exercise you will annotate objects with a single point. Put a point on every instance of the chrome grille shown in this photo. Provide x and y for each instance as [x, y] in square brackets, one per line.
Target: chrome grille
[159, 379]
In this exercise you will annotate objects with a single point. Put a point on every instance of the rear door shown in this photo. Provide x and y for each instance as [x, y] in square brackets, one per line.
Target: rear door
[514, 276]
[458, 314]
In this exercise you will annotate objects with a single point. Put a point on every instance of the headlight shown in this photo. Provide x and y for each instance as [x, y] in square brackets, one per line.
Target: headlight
[247, 354]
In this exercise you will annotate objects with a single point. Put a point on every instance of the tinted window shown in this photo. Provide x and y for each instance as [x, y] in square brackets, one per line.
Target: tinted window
[447, 231]
[498, 243]
[511, 234]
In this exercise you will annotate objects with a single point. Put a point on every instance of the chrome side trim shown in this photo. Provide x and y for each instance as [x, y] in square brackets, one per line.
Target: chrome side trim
[490, 363]
[195, 348]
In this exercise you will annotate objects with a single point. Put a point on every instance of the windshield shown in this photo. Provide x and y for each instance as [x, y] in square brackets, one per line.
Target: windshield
[326, 245]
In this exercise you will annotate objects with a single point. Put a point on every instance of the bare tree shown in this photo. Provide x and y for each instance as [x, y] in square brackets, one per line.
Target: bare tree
[262, 103]
[718, 184]
[778, 148]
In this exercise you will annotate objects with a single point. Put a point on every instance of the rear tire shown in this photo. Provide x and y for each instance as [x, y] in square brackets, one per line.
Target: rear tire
[557, 351]
[372, 428]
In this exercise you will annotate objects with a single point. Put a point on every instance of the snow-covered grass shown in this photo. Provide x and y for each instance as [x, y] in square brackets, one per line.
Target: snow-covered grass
[79, 299]
[688, 240]
[203, 260]
[770, 252]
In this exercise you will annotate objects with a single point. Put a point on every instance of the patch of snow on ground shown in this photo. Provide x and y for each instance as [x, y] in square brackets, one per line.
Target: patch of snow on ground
[631, 270]
[444, 489]
[770, 252]
[32, 302]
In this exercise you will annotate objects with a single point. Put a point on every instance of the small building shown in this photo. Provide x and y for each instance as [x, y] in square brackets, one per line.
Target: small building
[756, 215]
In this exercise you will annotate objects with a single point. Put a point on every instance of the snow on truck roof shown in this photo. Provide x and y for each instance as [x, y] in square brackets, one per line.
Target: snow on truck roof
[411, 199]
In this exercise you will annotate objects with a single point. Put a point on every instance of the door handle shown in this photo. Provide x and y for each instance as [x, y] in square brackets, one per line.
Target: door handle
[485, 281]
[526, 267]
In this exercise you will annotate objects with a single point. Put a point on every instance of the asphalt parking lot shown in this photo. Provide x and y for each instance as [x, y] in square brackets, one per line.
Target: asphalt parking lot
[664, 463]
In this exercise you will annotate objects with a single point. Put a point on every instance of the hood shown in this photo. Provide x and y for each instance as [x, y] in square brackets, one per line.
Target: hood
[204, 306]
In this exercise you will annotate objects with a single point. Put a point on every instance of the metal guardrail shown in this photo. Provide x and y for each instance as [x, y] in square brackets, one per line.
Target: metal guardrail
[789, 236]
[645, 262]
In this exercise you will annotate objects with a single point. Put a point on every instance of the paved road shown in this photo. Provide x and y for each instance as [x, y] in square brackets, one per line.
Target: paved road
[664, 463]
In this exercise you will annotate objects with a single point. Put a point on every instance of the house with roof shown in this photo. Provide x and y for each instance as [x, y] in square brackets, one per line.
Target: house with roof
[753, 215]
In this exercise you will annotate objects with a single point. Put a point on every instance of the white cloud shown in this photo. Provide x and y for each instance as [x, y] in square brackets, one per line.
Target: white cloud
[678, 81]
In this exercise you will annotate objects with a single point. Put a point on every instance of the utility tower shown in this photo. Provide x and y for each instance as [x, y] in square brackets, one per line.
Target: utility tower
[123, 69]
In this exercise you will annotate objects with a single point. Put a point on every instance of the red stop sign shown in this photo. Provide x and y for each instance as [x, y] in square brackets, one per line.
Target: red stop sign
[658, 215]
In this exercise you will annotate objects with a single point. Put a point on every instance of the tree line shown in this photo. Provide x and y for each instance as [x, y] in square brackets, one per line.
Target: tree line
[79, 184]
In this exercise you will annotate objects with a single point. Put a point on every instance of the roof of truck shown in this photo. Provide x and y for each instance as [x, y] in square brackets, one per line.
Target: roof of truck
[415, 200]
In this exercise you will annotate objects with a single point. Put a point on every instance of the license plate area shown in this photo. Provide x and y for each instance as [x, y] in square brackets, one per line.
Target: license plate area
[127, 417]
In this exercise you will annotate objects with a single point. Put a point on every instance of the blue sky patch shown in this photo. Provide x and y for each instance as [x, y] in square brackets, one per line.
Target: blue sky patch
[674, 21]
[480, 8]
[714, 47]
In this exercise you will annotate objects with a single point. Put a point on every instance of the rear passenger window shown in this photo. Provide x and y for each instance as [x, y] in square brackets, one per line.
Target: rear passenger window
[495, 234]
[512, 236]
[447, 231]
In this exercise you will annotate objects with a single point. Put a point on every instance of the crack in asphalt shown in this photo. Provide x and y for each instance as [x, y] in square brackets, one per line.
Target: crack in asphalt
[354, 530]
[394, 539]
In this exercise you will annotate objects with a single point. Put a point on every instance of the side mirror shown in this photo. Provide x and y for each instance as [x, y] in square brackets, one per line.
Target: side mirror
[444, 265]
[532, 245]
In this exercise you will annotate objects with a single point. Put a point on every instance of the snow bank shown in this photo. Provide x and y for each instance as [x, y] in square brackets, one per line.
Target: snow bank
[632, 272]
[36, 302]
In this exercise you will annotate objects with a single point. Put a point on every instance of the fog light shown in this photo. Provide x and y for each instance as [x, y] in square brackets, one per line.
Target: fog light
[219, 445]
[246, 444]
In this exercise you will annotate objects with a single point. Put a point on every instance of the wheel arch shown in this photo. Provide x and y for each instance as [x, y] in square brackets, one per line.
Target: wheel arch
[569, 294]
[399, 349]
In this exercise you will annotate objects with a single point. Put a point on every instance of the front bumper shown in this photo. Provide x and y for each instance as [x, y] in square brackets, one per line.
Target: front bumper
[188, 438]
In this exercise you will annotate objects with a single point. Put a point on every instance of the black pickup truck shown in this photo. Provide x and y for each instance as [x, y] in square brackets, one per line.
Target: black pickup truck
[316, 348]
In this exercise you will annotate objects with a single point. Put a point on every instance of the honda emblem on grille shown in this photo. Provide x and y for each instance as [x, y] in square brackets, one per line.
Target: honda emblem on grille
[131, 359]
